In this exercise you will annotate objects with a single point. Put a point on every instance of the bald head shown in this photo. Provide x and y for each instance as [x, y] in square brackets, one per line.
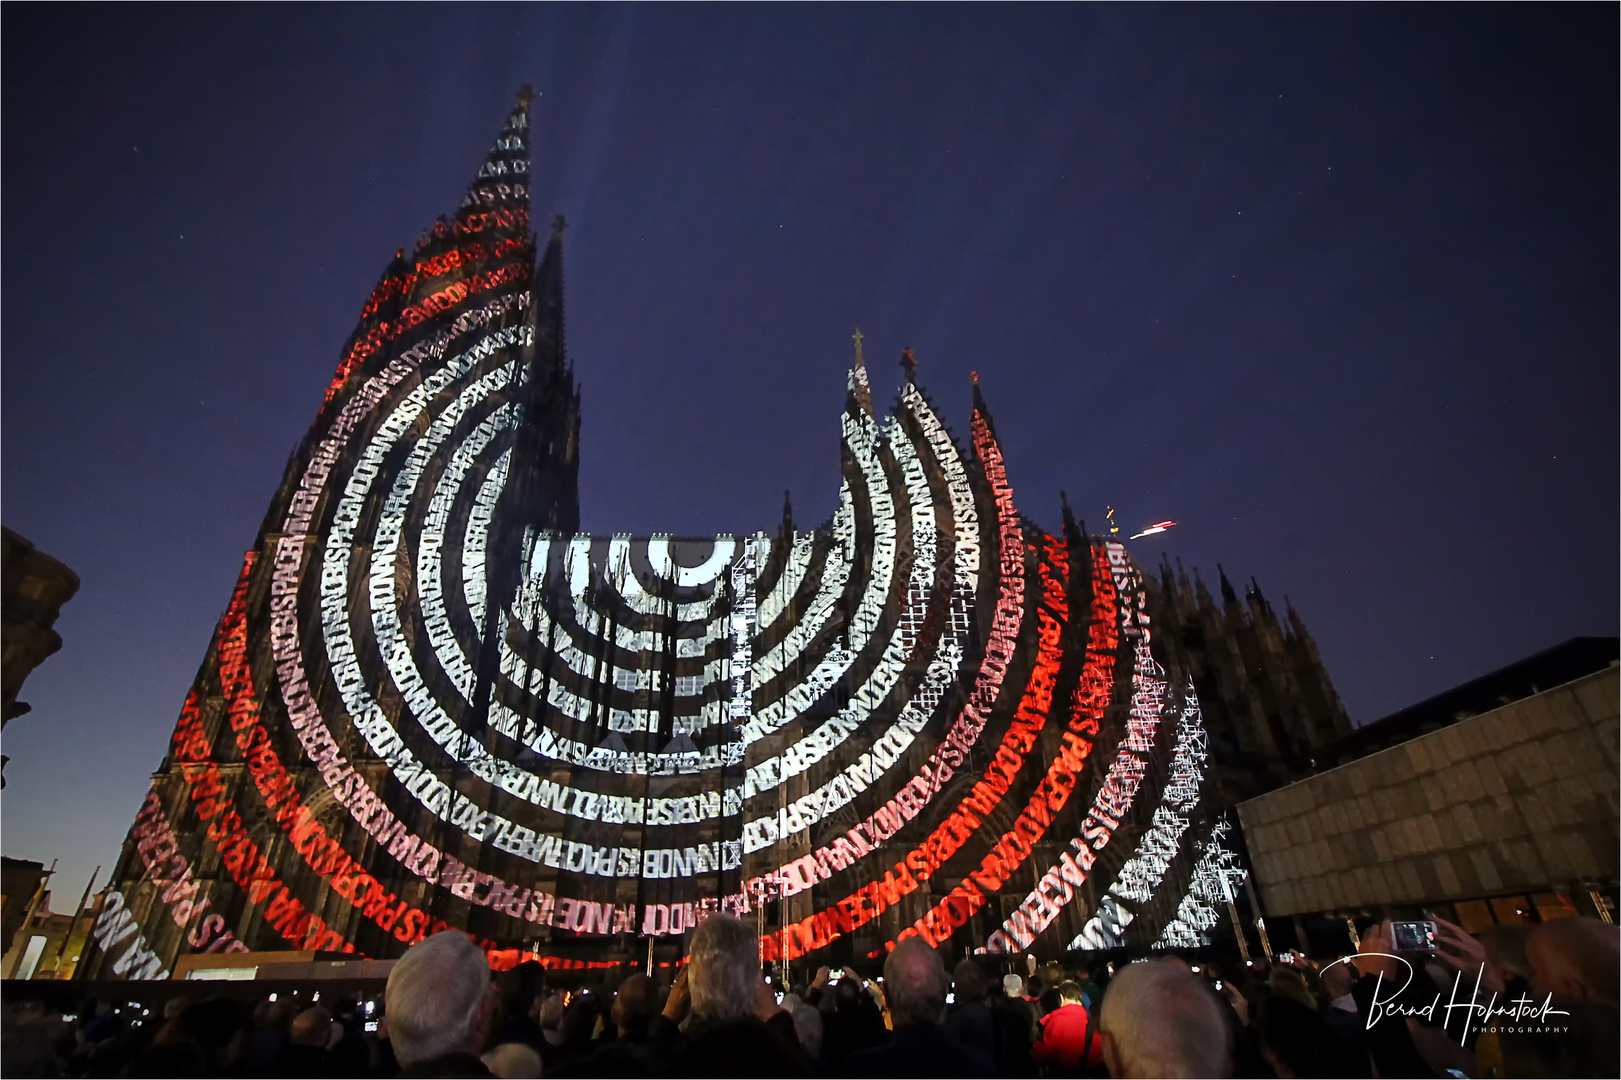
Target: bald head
[312, 1027]
[1158, 1019]
[915, 983]
[1576, 958]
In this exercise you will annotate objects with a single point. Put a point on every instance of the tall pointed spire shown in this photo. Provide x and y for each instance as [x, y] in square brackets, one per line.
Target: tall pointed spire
[486, 248]
[502, 182]
[859, 386]
[980, 406]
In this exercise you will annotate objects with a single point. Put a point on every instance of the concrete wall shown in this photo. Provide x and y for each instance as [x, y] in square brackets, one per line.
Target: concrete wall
[1521, 798]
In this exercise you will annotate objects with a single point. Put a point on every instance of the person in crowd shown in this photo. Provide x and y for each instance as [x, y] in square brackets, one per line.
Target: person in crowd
[1068, 1044]
[578, 1026]
[1159, 1020]
[221, 1028]
[735, 1027]
[1288, 983]
[1397, 1048]
[1091, 993]
[634, 1007]
[623, 1047]
[550, 1019]
[1505, 945]
[1014, 1024]
[915, 986]
[270, 1022]
[310, 1039]
[1339, 1008]
[968, 1018]
[1578, 959]
[440, 1005]
[516, 1018]
[1573, 964]
[808, 1029]
[855, 1021]
[512, 1061]
[1297, 1042]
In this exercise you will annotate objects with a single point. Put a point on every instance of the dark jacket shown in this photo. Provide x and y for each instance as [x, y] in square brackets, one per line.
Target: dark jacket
[919, 1050]
[973, 1025]
[738, 1048]
[459, 1064]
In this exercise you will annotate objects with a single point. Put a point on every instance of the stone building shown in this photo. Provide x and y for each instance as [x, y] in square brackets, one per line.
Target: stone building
[1505, 816]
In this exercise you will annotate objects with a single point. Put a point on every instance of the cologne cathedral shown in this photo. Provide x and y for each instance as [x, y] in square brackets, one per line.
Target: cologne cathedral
[432, 702]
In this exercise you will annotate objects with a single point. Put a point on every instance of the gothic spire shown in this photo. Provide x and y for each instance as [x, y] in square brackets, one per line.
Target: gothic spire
[859, 385]
[546, 294]
[502, 183]
[980, 406]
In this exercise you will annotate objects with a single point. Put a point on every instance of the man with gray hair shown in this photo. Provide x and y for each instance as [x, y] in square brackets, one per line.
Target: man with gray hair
[1158, 1019]
[735, 1027]
[439, 1004]
[915, 986]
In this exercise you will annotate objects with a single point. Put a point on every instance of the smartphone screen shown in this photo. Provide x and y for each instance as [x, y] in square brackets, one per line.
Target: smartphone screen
[1413, 936]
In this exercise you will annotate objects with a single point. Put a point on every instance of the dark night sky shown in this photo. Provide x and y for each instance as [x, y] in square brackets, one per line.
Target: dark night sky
[1335, 287]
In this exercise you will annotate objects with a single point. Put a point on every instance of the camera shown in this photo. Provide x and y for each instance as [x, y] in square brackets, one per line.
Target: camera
[1414, 937]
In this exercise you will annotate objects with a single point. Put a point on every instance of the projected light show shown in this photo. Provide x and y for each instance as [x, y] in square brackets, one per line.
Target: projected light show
[433, 702]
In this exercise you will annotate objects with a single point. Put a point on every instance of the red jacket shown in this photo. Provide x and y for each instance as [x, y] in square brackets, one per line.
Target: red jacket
[1063, 1040]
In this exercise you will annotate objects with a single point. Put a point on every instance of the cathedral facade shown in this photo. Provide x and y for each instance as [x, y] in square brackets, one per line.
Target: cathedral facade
[433, 703]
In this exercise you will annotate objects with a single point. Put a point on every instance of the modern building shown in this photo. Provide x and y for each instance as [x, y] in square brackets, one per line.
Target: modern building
[432, 702]
[1480, 814]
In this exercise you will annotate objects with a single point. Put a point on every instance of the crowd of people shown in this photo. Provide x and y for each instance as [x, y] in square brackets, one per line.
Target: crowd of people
[1378, 1013]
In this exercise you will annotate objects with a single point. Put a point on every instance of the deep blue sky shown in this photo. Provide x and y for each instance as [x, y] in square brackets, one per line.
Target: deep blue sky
[1335, 287]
